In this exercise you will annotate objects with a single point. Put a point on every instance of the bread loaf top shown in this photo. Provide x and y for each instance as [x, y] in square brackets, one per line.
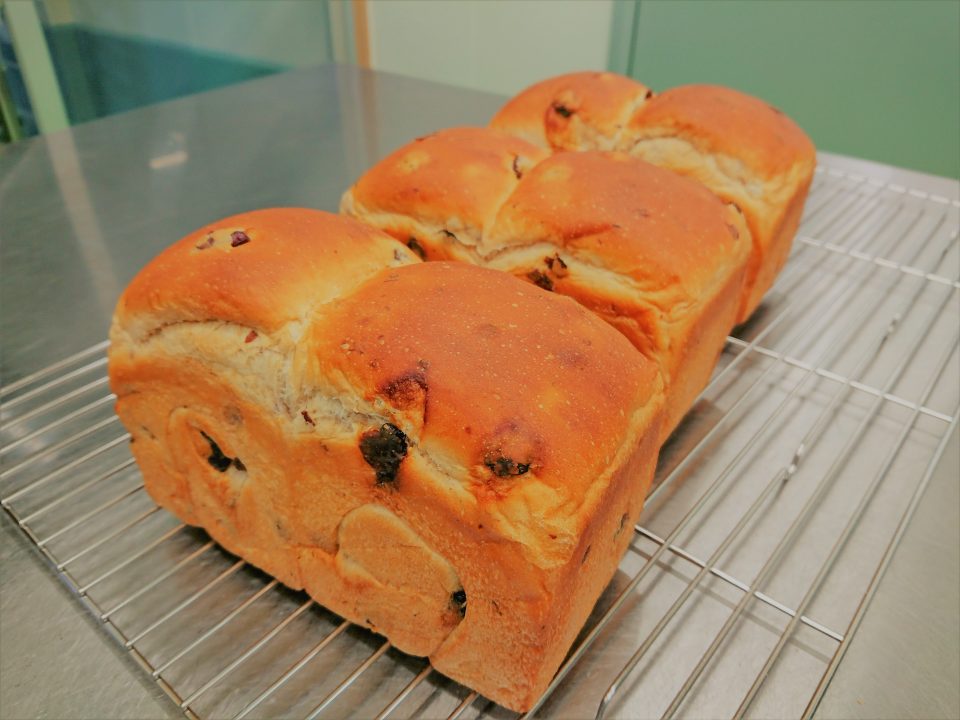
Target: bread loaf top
[259, 269]
[605, 111]
[722, 120]
[665, 232]
[454, 179]
[577, 111]
[744, 150]
[475, 193]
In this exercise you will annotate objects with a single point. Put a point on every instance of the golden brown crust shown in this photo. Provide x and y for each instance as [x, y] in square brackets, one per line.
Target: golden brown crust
[723, 120]
[676, 255]
[260, 269]
[460, 391]
[450, 180]
[661, 230]
[577, 111]
[658, 256]
[746, 151]
[743, 149]
[436, 476]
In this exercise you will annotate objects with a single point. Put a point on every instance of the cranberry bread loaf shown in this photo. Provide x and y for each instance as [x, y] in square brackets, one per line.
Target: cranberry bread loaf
[462, 481]
[743, 149]
[656, 255]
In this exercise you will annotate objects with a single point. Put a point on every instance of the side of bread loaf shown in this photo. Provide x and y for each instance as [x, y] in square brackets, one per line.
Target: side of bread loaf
[657, 256]
[743, 149]
[463, 482]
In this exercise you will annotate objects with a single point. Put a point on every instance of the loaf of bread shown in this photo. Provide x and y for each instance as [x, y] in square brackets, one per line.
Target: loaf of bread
[656, 255]
[744, 150]
[439, 452]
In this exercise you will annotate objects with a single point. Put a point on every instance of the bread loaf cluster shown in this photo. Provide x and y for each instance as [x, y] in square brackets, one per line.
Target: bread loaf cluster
[452, 453]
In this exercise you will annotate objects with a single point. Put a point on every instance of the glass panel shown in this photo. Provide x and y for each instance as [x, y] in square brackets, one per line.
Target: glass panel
[116, 55]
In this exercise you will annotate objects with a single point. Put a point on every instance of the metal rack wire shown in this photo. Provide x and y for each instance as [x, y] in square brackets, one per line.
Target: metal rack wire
[777, 506]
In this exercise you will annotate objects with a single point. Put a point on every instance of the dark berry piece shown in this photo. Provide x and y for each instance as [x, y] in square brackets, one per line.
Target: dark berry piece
[458, 598]
[540, 279]
[417, 248]
[217, 459]
[505, 467]
[384, 449]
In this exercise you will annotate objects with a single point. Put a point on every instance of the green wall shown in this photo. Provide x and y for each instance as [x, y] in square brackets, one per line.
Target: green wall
[872, 79]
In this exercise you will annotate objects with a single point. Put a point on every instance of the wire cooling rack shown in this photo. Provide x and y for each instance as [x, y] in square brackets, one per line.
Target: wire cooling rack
[776, 508]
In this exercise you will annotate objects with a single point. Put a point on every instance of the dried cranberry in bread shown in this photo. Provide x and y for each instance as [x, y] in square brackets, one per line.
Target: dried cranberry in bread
[743, 149]
[656, 255]
[440, 452]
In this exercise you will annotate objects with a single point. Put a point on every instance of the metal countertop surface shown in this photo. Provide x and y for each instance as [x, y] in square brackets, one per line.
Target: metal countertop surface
[81, 211]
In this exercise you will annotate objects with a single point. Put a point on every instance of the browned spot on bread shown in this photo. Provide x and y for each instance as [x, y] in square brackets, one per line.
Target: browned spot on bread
[406, 391]
[571, 358]
[540, 279]
[511, 450]
[505, 467]
[232, 414]
[458, 599]
[556, 265]
[417, 248]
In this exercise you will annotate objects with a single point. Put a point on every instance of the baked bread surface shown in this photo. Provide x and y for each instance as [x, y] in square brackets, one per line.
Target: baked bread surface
[439, 193]
[743, 149]
[436, 451]
[746, 151]
[657, 256]
[577, 111]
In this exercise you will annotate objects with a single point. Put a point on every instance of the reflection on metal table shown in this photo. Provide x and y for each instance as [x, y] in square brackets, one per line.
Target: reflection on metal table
[823, 453]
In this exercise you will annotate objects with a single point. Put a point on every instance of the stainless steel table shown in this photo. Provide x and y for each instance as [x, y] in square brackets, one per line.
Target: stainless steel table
[82, 210]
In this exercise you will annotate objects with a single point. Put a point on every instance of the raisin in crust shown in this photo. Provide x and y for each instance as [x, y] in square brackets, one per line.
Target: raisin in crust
[453, 479]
